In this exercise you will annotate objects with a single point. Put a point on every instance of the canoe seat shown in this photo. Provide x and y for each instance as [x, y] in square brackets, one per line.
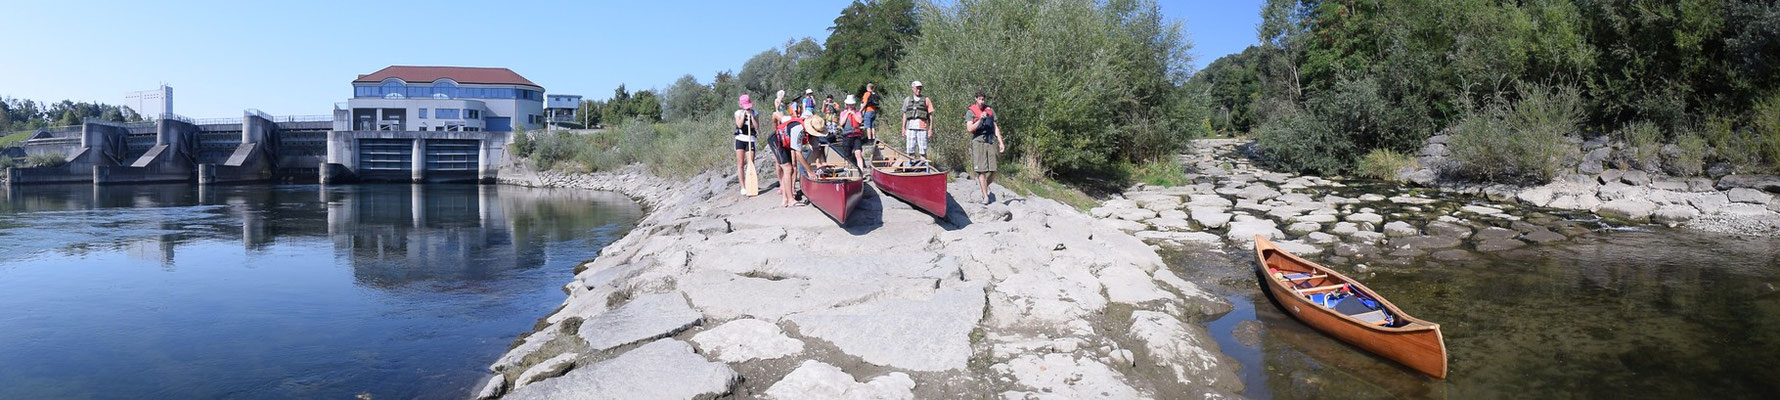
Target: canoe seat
[1322, 288]
[1376, 317]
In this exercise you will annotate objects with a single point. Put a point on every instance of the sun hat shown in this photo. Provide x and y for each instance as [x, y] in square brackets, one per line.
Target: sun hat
[815, 125]
[809, 91]
[851, 100]
[745, 102]
[915, 84]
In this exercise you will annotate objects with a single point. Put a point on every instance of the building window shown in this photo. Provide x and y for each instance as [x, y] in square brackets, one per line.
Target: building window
[422, 114]
[472, 114]
[446, 113]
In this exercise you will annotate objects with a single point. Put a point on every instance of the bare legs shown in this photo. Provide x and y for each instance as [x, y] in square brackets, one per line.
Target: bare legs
[984, 179]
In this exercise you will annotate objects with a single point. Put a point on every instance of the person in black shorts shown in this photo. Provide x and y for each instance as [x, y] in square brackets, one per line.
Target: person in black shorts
[746, 134]
[852, 132]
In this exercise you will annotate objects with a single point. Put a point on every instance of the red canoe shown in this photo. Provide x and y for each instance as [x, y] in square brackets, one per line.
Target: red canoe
[922, 186]
[1343, 308]
[833, 186]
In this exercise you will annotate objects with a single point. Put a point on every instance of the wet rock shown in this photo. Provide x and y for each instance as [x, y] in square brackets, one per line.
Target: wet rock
[1247, 333]
[1320, 238]
[663, 369]
[1448, 229]
[1543, 236]
[1369, 237]
[1354, 249]
[1499, 245]
[1244, 231]
[645, 317]
[1767, 183]
[550, 368]
[526, 348]
[746, 339]
[930, 334]
[1300, 228]
[1746, 195]
[1064, 376]
[1400, 229]
[1315, 218]
[1525, 226]
[1408, 252]
[1413, 200]
[1426, 242]
[816, 380]
[1674, 214]
[1635, 210]
[492, 387]
[1190, 353]
[1453, 255]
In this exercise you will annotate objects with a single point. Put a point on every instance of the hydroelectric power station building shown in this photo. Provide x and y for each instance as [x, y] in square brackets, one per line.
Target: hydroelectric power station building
[402, 124]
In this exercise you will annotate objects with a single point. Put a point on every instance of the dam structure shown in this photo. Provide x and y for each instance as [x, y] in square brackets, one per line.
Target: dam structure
[402, 124]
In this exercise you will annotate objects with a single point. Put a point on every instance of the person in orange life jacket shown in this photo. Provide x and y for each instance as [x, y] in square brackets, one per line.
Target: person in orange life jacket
[917, 111]
[869, 106]
[746, 133]
[783, 153]
[979, 120]
[851, 131]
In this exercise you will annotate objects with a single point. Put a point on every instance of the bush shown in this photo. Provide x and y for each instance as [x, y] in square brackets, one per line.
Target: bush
[1160, 173]
[1689, 155]
[1383, 164]
[1297, 141]
[46, 160]
[1765, 127]
[1727, 146]
[1643, 141]
[1521, 142]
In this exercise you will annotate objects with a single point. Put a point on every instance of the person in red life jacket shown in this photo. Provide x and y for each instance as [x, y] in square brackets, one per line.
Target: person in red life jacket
[781, 145]
[746, 133]
[852, 132]
[979, 120]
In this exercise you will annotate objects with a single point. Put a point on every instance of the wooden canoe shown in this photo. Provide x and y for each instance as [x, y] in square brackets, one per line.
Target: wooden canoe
[1341, 307]
[834, 186]
[921, 186]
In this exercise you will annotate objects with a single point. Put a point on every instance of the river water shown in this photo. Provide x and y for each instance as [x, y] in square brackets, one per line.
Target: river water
[1639, 313]
[281, 291]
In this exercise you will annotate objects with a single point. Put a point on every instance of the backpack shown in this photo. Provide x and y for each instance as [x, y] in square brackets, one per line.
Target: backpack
[916, 108]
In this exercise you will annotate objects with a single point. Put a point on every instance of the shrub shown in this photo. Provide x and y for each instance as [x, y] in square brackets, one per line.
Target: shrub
[1165, 172]
[1727, 145]
[1297, 141]
[1765, 126]
[1643, 141]
[1522, 142]
[1689, 155]
[522, 143]
[46, 160]
[1383, 164]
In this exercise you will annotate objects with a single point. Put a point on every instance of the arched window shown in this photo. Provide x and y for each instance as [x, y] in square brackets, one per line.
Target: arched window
[445, 88]
[393, 88]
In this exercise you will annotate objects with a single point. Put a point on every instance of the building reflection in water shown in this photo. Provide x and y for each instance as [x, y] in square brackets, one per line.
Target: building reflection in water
[391, 235]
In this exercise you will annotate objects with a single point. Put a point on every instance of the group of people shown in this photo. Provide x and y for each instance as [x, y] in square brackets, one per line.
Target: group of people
[804, 126]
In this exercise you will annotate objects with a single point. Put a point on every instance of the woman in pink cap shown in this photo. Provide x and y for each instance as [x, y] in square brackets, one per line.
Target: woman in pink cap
[745, 135]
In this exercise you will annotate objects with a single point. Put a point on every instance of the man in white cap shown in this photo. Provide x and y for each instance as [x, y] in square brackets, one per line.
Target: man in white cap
[917, 113]
[852, 131]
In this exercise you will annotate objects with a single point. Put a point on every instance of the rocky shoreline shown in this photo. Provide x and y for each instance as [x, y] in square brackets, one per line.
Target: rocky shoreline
[716, 295]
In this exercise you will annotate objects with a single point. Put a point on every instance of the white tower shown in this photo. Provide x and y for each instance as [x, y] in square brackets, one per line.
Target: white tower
[151, 103]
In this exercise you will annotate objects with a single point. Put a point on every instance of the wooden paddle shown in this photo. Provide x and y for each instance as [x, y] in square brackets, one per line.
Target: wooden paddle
[751, 180]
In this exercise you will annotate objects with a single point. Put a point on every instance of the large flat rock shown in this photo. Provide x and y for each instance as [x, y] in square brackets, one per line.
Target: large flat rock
[747, 339]
[645, 317]
[1189, 352]
[814, 380]
[665, 369]
[931, 334]
[1063, 376]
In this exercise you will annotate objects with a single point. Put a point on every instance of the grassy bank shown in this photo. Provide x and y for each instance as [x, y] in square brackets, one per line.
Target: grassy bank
[670, 149]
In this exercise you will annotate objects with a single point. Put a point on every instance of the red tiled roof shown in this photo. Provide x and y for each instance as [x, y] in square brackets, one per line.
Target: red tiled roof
[471, 75]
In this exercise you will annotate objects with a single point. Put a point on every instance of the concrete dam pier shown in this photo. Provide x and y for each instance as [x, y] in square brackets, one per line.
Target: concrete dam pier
[254, 148]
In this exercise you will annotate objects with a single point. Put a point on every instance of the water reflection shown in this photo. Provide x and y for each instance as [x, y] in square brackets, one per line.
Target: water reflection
[280, 291]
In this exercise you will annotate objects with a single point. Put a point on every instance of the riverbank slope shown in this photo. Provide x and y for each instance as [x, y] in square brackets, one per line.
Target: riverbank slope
[714, 294]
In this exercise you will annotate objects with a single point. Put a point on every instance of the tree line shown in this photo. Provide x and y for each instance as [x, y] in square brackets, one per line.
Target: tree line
[25, 114]
[1087, 86]
[1332, 79]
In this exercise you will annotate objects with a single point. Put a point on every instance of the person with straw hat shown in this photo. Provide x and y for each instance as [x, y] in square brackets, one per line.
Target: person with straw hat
[852, 131]
[917, 113]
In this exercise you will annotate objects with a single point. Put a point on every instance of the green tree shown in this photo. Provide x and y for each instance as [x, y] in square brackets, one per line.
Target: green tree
[866, 41]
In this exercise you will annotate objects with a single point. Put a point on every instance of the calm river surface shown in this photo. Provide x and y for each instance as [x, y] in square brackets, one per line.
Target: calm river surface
[281, 291]
[1655, 313]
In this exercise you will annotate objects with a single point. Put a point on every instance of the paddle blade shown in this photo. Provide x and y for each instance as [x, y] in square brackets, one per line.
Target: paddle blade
[751, 180]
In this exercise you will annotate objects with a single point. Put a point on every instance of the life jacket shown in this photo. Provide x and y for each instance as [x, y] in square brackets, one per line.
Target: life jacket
[794, 127]
[850, 123]
[917, 108]
[985, 119]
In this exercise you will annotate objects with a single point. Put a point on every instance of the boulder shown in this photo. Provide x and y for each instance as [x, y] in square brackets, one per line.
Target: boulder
[1315, 218]
[1767, 183]
[1400, 229]
[1670, 184]
[1300, 228]
[645, 317]
[746, 339]
[1244, 231]
[1448, 229]
[1611, 175]
[1366, 217]
[1747, 195]
[663, 369]
[1320, 238]
[815, 380]
[1345, 228]
[1674, 214]
[1634, 210]
[550, 368]
[1367, 237]
[1592, 161]
[1211, 217]
[1635, 178]
[1538, 195]
[492, 387]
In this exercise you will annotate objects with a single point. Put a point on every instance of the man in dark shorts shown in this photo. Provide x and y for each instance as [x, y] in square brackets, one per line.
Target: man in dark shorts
[985, 141]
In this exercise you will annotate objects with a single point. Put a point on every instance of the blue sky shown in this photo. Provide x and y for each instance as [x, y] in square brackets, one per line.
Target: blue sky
[298, 57]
